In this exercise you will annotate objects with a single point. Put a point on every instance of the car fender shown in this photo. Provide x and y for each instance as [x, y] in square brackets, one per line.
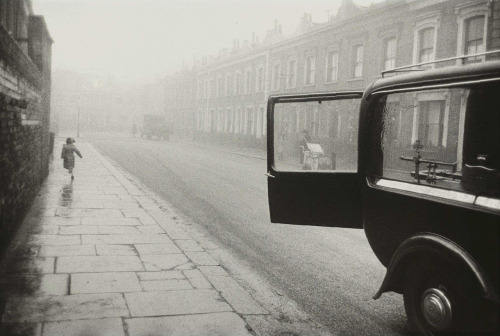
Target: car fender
[429, 244]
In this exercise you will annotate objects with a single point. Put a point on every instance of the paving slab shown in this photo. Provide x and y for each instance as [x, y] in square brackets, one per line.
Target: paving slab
[197, 279]
[213, 270]
[163, 262]
[110, 221]
[54, 284]
[196, 301]
[88, 264]
[161, 275]
[114, 190]
[189, 245]
[94, 213]
[55, 239]
[150, 228]
[61, 220]
[45, 229]
[112, 282]
[222, 324]
[118, 229]
[87, 203]
[165, 285]
[123, 205]
[123, 250]
[165, 248]
[97, 327]
[141, 238]
[79, 230]
[66, 250]
[142, 215]
[65, 307]
[202, 258]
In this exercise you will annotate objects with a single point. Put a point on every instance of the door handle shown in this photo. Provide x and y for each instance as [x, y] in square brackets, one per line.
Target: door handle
[269, 175]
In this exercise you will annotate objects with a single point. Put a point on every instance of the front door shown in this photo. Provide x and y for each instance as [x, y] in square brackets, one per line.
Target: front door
[313, 159]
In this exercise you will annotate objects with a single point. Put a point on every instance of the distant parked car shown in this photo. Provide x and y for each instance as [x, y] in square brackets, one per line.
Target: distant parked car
[156, 127]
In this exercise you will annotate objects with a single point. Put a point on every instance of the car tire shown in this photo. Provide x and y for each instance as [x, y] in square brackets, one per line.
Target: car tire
[438, 299]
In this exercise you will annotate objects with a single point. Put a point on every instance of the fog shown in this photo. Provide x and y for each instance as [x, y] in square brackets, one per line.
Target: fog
[139, 41]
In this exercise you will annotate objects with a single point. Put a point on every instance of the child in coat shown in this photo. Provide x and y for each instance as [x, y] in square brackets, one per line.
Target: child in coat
[68, 155]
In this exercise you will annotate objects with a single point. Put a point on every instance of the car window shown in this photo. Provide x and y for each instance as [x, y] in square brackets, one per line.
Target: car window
[316, 136]
[447, 139]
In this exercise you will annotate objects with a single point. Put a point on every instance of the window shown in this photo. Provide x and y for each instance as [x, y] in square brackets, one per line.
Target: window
[264, 120]
[431, 122]
[276, 77]
[474, 37]
[472, 29]
[237, 83]
[457, 148]
[248, 78]
[213, 89]
[426, 45]
[358, 61]
[305, 141]
[249, 121]
[332, 63]
[291, 74]
[260, 80]
[237, 120]
[390, 53]
[310, 70]
[229, 84]
[220, 86]
[230, 121]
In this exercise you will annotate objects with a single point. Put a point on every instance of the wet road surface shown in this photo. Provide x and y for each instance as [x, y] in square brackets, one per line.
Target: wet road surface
[331, 273]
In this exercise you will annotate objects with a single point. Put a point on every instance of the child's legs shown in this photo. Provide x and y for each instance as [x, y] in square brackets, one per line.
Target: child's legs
[70, 170]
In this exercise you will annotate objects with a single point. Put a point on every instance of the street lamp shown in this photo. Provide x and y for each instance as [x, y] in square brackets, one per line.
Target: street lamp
[78, 120]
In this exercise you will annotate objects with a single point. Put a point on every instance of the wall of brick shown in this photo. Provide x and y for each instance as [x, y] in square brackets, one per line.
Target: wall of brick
[24, 123]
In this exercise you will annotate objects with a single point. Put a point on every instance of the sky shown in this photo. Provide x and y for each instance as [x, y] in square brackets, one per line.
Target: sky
[140, 41]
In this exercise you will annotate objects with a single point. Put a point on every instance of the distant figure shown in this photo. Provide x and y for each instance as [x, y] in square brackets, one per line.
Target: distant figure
[134, 130]
[68, 155]
[303, 145]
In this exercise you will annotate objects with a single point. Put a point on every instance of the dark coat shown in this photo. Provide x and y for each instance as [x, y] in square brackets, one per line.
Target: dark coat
[68, 155]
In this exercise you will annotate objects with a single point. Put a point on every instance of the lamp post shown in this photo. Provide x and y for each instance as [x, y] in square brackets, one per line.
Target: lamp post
[78, 121]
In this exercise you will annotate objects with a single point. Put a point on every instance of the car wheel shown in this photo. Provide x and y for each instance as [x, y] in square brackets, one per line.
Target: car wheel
[438, 299]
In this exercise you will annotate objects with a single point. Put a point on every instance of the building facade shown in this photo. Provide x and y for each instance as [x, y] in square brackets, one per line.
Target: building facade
[25, 89]
[346, 53]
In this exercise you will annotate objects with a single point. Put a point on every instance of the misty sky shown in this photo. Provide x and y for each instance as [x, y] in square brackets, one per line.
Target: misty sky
[139, 41]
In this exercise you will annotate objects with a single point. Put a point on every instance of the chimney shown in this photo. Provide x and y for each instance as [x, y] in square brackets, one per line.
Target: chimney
[275, 25]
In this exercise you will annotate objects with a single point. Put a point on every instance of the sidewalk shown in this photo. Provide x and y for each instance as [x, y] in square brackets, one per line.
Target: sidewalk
[101, 256]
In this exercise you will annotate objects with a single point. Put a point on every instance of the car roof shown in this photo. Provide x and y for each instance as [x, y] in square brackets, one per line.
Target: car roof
[477, 71]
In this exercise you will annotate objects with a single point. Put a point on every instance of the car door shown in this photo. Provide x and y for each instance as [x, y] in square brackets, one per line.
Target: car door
[312, 144]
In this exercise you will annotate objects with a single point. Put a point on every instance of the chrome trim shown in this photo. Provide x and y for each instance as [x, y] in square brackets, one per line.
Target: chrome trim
[436, 308]
[438, 86]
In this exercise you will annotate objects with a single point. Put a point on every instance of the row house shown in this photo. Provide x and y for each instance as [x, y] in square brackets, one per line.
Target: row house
[25, 89]
[346, 53]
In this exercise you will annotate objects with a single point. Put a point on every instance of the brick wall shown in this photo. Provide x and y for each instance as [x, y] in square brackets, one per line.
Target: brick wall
[24, 123]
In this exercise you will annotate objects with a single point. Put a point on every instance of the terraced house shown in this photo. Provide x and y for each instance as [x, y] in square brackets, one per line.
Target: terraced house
[25, 80]
[348, 52]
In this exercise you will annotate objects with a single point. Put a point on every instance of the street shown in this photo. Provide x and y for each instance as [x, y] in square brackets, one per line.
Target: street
[331, 273]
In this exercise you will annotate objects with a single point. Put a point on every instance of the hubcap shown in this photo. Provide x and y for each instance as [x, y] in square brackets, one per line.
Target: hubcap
[436, 308]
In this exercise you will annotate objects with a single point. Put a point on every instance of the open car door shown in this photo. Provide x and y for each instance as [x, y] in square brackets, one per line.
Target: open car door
[312, 159]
